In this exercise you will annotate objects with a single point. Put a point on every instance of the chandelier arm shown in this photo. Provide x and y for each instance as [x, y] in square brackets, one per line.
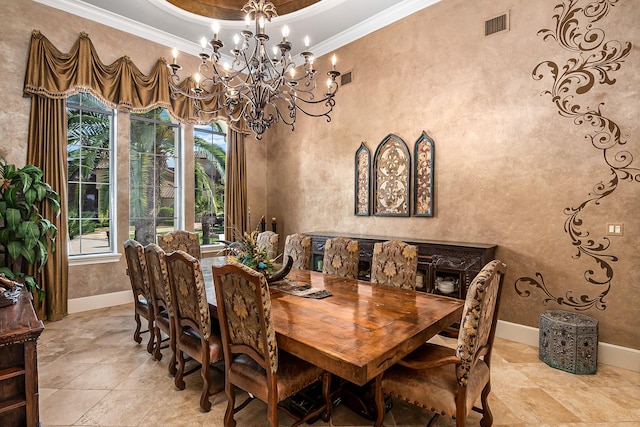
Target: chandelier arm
[310, 96]
[328, 102]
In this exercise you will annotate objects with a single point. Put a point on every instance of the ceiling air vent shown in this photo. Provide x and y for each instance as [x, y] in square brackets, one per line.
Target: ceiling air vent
[346, 78]
[496, 24]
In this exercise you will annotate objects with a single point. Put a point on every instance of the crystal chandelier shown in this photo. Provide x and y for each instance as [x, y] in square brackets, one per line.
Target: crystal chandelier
[257, 88]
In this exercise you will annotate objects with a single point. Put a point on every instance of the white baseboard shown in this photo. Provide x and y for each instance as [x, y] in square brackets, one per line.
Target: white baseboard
[609, 354]
[95, 302]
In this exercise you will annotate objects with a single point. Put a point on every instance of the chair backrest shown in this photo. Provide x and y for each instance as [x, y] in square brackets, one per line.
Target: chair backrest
[137, 270]
[298, 247]
[158, 277]
[341, 257]
[268, 240]
[244, 311]
[394, 263]
[479, 317]
[186, 241]
[188, 294]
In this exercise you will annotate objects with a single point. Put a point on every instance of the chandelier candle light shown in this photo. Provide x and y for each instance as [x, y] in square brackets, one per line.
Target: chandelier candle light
[257, 89]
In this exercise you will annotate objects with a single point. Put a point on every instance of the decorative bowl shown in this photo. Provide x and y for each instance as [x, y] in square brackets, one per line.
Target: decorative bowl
[446, 286]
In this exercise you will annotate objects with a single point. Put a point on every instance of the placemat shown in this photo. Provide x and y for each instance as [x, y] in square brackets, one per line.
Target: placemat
[295, 288]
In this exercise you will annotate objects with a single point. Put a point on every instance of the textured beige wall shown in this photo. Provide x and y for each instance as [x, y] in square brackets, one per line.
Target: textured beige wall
[507, 164]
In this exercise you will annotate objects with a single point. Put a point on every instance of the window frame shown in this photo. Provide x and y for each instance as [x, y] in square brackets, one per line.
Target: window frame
[179, 197]
[223, 130]
[112, 254]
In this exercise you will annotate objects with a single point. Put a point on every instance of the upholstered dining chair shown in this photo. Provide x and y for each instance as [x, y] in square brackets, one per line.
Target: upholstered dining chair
[268, 240]
[252, 359]
[194, 335]
[161, 297]
[298, 247]
[449, 381]
[139, 278]
[183, 240]
[341, 257]
[394, 263]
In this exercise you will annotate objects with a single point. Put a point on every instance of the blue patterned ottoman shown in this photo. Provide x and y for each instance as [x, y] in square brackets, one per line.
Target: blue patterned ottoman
[569, 341]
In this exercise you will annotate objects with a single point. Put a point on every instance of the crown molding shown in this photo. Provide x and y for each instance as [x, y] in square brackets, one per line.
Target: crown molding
[372, 24]
[119, 22]
[389, 16]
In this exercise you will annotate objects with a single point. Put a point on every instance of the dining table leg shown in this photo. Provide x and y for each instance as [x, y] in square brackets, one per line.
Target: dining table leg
[380, 406]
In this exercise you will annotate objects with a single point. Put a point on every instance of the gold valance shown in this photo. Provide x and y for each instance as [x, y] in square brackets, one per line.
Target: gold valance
[54, 74]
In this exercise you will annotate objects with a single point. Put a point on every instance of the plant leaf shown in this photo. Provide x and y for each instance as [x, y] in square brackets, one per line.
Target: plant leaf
[13, 218]
[5, 234]
[14, 248]
[29, 255]
[42, 255]
[25, 178]
[10, 196]
[41, 190]
[31, 233]
[30, 196]
[9, 170]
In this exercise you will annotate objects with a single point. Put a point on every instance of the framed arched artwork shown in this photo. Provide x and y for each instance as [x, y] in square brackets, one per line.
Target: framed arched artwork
[363, 181]
[391, 178]
[423, 157]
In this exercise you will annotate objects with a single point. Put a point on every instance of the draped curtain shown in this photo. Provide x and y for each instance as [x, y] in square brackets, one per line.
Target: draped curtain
[51, 77]
[235, 205]
[47, 149]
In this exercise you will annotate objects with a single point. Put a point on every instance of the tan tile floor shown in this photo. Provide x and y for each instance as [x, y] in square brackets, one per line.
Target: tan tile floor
[92, 373]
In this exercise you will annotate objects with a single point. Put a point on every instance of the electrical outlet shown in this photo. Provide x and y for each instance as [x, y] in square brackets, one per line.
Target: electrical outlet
[615, 229]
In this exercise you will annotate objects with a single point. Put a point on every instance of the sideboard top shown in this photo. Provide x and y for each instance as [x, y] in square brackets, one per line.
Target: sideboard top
[19, 321]
[329, 234]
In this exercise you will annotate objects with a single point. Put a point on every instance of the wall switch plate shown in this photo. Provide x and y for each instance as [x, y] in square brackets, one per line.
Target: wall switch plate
[615, 229]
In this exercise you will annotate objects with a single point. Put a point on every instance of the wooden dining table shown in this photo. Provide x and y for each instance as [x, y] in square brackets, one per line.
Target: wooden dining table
[358, 331]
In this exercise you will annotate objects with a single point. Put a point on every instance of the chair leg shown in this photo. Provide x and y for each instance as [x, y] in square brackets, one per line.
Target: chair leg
[151, 342]
[204, 396]
[136, 334]
[179, 382]
[272, 410]
[158, 339]
[231, 402]
[172, 345]
[461, 408]
[487, 416]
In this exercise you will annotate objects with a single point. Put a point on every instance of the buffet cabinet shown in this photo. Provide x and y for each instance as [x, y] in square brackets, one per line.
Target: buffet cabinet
[19, 333]
[452, 262]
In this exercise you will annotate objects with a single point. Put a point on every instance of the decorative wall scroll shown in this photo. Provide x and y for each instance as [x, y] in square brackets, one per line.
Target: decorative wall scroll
[363, 181]
[391, 165]
[423, 157]
[592, 60]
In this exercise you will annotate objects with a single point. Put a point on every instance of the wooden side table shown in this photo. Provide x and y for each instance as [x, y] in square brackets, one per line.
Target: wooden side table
[20, 329]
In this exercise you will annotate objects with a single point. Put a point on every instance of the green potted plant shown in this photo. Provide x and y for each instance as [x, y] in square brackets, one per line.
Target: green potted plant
[25, 235]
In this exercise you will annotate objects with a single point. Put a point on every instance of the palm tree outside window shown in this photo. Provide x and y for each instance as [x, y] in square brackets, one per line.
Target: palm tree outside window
[155, 191]
[210, 154]
[90, 139]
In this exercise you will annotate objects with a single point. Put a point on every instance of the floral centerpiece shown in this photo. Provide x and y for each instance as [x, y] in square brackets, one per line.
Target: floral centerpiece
[248, 253]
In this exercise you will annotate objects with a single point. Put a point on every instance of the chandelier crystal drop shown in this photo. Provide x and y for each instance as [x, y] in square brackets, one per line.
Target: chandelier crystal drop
[262, 85]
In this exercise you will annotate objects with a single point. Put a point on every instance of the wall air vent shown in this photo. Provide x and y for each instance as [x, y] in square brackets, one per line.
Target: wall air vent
[346, 78]
[497, 24]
